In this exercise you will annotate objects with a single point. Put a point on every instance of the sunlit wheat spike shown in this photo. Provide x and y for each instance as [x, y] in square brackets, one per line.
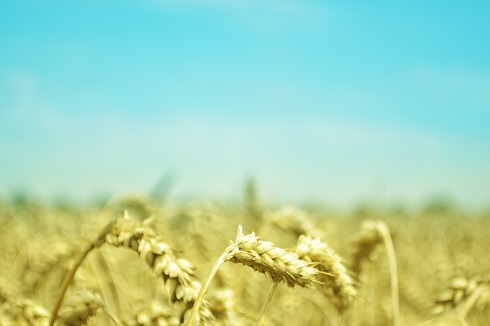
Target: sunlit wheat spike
[263, 256]
[337, 283]
[177, 273]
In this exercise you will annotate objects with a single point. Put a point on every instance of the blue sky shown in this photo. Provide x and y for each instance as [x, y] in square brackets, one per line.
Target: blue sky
[335, 101]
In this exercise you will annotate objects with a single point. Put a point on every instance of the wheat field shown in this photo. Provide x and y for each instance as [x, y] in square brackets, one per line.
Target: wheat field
[135, 261]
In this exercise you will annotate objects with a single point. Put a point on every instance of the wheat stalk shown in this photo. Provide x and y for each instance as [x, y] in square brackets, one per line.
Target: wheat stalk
[373, 234]
[390, 253]
[177, 273]
[99, 241]
[364, 245]
[266, 304]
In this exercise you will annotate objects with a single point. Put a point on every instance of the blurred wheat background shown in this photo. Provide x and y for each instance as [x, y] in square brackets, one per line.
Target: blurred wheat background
[352, 139]
[441, 258]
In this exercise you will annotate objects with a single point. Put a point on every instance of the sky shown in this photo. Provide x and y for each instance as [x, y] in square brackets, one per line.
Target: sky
[337, 102]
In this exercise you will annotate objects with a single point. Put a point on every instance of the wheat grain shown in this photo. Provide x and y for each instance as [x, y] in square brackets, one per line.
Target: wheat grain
[337, 283]
[176, 273]
[264, 257]
[461, 296]
[38, 241]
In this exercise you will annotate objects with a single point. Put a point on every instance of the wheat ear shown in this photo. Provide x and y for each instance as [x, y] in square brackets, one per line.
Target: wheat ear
[264, 257]
[374, 233]
[338, 284]
[462, 295]
[176, 273]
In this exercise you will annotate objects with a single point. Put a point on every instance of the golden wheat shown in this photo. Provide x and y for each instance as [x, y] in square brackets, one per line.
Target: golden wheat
[337, 283]
[176, 273]
[41, 242]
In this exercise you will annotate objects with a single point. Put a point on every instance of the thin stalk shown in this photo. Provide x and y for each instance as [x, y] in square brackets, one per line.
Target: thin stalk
[112, 317]
[266, 304]
[204, 287]
[390, 252]
[109, 290]
[71, 273]
[463, 310]
[66, 282]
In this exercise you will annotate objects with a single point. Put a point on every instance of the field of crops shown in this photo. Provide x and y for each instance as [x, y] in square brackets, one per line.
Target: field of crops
[134, 261]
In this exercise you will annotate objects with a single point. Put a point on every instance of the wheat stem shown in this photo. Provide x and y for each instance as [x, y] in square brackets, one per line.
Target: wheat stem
[462, 311]
[66, 282]
[108, 288]
[204, 287]
[266, 304]
[111, 316]
[390, 252]
[71, 273]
